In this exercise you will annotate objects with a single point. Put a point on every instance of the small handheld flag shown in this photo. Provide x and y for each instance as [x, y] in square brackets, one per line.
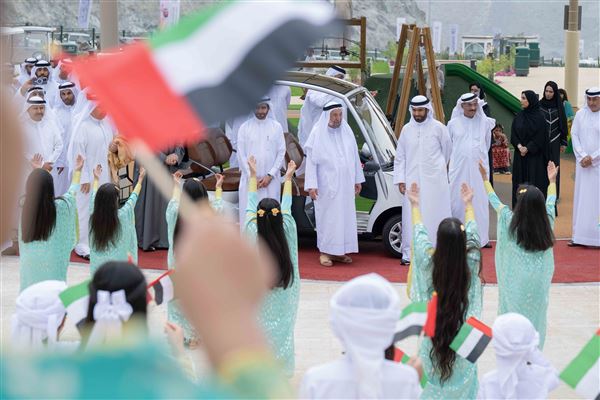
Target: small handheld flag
[401, 357]
[76, 300]
[412, 320]
[472, 339]
[429, 328]
[161, 289]
[583, 373]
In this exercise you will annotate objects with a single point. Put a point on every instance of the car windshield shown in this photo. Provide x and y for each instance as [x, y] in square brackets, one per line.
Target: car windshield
[377, 128]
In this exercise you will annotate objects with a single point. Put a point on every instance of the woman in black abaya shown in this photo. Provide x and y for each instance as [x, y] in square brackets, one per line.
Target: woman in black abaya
[529, 137]
[556, 125]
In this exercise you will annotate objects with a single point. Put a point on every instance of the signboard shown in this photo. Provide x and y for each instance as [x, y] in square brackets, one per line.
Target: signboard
[437, 36]
[453, 39]
[85, 10]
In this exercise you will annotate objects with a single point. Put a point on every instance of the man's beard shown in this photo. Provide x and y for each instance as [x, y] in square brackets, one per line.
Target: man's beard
[335, 125]
[420, 119]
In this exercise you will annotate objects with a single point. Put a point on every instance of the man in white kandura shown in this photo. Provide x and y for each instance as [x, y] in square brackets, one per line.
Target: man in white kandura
[262, 137]
[64, 107]
[42, 135]
[469, 130]
[585, 135]
[314, 102]
[333, 178]
[422, 156]
[91, 136]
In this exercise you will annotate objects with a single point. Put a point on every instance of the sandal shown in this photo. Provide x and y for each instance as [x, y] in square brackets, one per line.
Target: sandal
[325, 261]
[343, 259]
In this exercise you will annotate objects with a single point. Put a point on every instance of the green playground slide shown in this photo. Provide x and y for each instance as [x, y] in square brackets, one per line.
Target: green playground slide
[503, 105]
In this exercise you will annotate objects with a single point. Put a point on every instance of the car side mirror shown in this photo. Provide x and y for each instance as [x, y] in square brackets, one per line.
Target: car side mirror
[370, 168]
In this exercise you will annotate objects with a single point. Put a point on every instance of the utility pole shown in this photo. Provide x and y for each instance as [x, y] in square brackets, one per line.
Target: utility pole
[109, 24]
[572, 52]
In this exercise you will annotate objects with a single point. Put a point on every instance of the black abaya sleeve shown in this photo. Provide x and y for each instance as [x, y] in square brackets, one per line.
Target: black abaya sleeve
[514, 135]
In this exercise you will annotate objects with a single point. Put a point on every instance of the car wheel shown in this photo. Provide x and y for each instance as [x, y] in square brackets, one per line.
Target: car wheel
[392, 235]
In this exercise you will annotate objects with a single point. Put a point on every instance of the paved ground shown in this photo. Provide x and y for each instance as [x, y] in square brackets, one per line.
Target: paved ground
[538, 77]
[573, 318]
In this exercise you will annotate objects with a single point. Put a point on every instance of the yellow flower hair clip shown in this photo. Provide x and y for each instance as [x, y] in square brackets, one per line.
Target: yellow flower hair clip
[261, 213]
[522, 190]
[462, 227]
[275, 211]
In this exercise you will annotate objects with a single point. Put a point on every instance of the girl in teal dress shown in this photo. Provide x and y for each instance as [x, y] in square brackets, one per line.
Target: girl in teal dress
[452, 270]
[524, 256]
[112, 229]
[48, 228]
[197, 192]
[274, 223]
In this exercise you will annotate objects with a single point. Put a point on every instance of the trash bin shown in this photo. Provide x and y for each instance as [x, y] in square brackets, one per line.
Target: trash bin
[522, 61]
[534, 55]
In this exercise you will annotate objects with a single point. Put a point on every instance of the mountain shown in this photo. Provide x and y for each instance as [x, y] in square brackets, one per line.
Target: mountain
[479, 17]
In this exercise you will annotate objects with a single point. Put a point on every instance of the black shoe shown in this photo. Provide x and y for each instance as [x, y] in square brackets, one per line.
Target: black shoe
[573, 244]
[86, 257]
[487, 246]
[404, 262]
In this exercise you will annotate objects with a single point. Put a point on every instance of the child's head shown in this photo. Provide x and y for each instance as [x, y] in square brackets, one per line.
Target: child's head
[498, 129]
[118, 289]
[530, 224]
[269, 223]
[39, 315]
[363, 315]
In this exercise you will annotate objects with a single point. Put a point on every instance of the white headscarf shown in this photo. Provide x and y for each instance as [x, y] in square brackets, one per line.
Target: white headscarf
[421, 102]
[363, 315]
[335, 70]
[39, 312]
[591, 92]
[23, 75]
[67, 85]
[516, 343]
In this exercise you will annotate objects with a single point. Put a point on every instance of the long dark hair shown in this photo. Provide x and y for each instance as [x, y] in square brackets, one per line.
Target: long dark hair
[39, 211]
[451, 280]
[530, 225]
[564, 94]
[117, 275]
[270, 228]
[104, 222]
[196, 191]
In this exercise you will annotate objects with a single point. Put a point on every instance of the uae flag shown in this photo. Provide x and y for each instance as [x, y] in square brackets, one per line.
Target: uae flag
[583, 373]
[412, 320]
[161, 289]
[401, 357]
[211, 66]
[472, 339]
[76, 300]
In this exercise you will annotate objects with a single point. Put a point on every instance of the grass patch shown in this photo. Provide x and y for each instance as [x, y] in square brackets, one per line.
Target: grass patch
[293, 125]
[380, 67]
[297, 91]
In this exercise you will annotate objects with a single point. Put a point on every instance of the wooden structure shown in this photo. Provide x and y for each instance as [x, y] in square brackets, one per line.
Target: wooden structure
[417, 38]
[362, 60]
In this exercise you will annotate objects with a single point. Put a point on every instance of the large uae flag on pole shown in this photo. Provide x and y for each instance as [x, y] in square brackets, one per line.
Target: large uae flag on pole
[211, 66]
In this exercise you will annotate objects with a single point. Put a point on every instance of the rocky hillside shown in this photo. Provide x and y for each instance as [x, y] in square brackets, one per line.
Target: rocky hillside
[473, 17]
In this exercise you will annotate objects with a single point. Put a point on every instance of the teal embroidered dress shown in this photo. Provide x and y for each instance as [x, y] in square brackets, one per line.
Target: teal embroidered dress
[524, 277]
[280, 306]
[463, 383]
[43, 260]
[126, 242]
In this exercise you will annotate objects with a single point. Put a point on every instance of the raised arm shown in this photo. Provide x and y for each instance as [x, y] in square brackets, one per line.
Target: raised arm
[74, 188]
[217, 203]
[470, 223]
[286, 197]
[492, 196]
[252, 203]
[96, 172]
[422, 246]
